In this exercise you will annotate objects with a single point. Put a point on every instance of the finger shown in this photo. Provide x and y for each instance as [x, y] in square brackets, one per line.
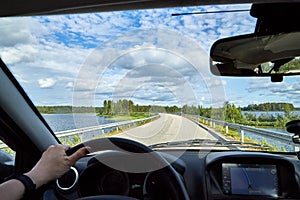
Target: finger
[78, 154]
[51, 147]
[66, 147]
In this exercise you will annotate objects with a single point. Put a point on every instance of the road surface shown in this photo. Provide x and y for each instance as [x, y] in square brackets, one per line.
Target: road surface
[165, 129]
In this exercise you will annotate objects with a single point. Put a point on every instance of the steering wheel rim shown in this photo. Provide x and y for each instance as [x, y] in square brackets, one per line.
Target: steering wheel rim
[137, 149]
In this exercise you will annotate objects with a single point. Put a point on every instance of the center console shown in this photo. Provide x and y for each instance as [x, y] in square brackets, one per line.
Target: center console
[245, 175]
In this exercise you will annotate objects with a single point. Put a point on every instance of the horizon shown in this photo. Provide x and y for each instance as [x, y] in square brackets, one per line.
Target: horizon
[295, 107]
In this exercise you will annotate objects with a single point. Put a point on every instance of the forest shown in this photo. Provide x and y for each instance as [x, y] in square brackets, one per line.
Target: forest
[290, 66]
[269, 107]
[127, 106]
[67, 109]
[229, 112]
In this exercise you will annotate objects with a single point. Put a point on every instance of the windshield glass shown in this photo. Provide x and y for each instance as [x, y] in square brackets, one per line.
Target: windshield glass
[145, 75]
[292, 66]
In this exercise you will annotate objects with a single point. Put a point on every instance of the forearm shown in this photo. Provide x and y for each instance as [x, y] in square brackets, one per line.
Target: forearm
[12, 189]
[53, 164]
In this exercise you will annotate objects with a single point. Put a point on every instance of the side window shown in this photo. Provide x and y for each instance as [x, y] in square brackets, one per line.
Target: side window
[7, 158]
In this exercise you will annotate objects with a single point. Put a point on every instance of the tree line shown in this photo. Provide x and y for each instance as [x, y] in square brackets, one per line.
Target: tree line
[293, 65]
[125, 106]
[269, 107]
[231, 113]
[66, 109]
[228, 112]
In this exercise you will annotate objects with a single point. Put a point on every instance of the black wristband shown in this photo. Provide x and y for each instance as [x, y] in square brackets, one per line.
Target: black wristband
[27, 182]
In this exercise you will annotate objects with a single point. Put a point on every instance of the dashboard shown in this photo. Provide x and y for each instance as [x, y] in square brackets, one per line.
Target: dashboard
[249, 175]
[206, 175]
[250, 179]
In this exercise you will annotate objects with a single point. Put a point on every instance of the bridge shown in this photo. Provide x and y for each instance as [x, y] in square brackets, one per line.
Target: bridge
[168, 127]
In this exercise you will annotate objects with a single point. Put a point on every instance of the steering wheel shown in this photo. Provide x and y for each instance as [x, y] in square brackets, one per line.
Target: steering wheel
[135, 158]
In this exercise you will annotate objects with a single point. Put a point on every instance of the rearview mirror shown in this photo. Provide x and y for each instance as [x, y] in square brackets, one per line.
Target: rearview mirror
[274, 55]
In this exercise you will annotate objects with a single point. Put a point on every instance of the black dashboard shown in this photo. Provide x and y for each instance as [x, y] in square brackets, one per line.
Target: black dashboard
[206, 175]
[246, 175]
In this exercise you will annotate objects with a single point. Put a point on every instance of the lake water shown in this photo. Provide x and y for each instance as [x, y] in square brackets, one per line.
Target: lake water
[274, 113]
[260, 138]
[62, 122]
[282, 131]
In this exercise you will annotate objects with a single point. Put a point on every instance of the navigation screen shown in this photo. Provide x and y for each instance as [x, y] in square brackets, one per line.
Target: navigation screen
[250, 179]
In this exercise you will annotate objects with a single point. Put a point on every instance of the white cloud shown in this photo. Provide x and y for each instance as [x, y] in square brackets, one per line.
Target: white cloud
[47, 83]
[74, 50]
[70, 85]
[14, 31]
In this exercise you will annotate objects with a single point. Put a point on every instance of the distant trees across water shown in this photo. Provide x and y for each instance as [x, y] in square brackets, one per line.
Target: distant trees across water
[229, 112]
[127, 106]
[269, 107]
[67, 109]
[244, 115]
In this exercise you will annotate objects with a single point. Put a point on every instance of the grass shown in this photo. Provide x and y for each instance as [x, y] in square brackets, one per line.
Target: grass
[8, 150]
[125, 117]
[234, 135]
[71, 140]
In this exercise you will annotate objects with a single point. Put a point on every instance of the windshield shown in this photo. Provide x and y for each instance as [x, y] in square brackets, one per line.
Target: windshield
[292, 66]
[145, 75]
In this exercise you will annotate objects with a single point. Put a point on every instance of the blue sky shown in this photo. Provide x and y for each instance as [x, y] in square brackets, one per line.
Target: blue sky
[147, 56]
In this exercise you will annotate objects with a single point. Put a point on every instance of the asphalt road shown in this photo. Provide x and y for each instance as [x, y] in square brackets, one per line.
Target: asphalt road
[165, 129]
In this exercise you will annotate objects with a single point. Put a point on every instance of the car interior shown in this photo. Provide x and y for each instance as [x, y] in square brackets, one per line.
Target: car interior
[132, 167]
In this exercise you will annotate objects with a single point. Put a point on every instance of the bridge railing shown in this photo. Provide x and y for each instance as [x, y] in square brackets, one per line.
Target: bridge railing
[87, 133]
[281, 137]
[94, 131]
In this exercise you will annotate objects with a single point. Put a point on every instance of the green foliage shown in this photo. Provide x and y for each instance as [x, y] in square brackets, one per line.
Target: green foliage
[292, 65]
[218, 113]
[127, 107]
[172, 109]
[205, 112]
[192, 110]
[66, 109]
[234, 135]
[199, 110]
[269, 107]
[266, 117]
[125, 117]
[127, 110]
[139, 115]
[250, 117]
[271, 147]
[232, 113]
[269, 120]
[71, 140]
[8, 150]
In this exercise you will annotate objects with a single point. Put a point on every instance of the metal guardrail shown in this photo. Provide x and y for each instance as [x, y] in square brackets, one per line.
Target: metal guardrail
[81, 131]
[212, 122]
[281, 137]
[103, 128]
